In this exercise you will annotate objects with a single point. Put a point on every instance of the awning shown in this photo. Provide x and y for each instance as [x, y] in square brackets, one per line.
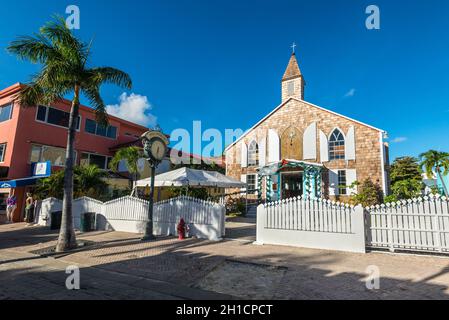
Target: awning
[193, 178]
[20, 182]
[273, 167]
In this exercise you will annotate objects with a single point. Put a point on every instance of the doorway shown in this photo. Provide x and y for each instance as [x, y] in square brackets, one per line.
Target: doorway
[291, 184]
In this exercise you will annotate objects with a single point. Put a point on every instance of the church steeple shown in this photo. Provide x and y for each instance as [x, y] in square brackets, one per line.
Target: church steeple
[292, 81]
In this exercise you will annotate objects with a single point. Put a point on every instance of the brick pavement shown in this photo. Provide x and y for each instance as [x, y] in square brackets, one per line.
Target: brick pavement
[124, 267]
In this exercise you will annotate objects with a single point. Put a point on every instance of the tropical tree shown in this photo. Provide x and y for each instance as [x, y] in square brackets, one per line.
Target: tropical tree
[406, 178]
[65, 70]
[369, 193]
[407, 189]
[438, 161]
[130, 155]
[405, 168]
[88, 181]
[51, 186]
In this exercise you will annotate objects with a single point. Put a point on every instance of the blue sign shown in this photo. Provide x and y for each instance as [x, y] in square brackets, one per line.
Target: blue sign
[5, 185]
[41, 169]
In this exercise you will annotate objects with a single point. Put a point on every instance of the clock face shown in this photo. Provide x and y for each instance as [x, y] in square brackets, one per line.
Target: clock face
[158, 149]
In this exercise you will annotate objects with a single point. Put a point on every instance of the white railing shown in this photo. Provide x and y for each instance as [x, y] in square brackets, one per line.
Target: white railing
[311, 222]
[44, 209]
[129, 214]
[417, 224]
[206, 219]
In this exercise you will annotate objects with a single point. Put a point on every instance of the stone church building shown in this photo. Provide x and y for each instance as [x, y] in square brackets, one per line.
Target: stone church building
[302, 149]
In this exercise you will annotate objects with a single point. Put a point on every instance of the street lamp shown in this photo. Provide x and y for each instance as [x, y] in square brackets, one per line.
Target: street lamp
[155, 145]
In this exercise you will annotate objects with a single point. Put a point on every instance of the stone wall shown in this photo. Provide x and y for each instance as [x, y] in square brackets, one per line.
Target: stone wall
[300, 114]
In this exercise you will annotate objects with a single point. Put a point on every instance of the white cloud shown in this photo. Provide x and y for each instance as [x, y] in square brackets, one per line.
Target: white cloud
[350, 93]
[399, 139]
[134, 108]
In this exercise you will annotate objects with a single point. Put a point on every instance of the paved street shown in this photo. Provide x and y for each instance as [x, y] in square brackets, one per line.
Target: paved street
[120, 266]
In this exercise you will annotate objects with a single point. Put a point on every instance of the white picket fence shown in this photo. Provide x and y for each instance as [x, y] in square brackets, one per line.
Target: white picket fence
[420, 224]
[129, 214]
[313, 223]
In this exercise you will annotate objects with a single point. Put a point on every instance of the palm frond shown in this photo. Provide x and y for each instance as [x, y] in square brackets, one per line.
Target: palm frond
[110, 75]
[130, 155]
[93, 94]
[35, 49]
[64, 40]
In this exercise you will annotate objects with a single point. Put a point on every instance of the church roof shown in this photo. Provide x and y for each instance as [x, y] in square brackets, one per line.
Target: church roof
[292, 70]
[308, 103]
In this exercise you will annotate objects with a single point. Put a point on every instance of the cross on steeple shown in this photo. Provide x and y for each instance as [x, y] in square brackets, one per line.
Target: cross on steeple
[293, 47]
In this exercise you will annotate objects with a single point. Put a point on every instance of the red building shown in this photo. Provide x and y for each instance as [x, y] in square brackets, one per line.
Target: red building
[39, 134]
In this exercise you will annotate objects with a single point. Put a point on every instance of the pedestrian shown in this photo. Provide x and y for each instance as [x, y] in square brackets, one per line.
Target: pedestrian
[29, 209]
[11, 205]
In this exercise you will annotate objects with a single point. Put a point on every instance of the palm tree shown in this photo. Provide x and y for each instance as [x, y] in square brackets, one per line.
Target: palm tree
[436, 160]
[130, 155]
[89, 181]
[64, 71]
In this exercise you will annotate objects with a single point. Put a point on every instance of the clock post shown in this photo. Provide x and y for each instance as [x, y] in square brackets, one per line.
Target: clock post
[154, 148]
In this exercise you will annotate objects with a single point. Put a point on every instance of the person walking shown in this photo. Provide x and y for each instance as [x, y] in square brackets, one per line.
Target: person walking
[29, 209]
[11, 205]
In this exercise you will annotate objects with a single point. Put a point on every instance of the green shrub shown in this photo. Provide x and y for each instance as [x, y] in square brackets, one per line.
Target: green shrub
[369, 193]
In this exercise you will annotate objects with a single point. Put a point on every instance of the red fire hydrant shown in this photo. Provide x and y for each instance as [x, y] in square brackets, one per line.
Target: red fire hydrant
[181, 229]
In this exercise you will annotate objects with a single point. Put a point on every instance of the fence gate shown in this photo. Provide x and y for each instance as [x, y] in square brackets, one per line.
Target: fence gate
[419, 224]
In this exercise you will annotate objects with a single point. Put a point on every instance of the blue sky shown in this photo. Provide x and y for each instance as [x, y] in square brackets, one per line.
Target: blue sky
[221, 61]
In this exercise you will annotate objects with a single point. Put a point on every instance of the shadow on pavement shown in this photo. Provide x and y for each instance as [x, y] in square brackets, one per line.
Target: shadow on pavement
[171, 269]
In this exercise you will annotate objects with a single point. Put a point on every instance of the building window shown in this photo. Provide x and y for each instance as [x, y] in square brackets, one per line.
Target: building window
[2, 152]
[94, 128]
[342, 182]
[55, 155]
[251, 183]
[290, 88]
[100, 161]
[336, 145]
[55, 117]
[253, 154]
[5, 112]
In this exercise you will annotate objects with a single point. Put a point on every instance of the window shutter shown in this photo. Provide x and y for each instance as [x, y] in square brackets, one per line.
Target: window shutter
[262, 151]
[273, 146]
[333, 183]
[324, 147]
[309, 142]
[244, 157]
[351, 177]
[350, 144]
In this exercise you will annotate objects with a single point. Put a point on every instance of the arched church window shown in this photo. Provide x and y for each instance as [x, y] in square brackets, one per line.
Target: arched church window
[253, 154]
[336, 145]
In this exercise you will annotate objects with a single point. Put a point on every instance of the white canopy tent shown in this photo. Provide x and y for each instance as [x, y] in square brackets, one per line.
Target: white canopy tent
[184, 177]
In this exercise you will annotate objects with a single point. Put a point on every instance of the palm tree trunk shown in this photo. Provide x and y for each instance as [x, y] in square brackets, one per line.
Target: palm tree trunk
[442, 182]
[67, 239]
